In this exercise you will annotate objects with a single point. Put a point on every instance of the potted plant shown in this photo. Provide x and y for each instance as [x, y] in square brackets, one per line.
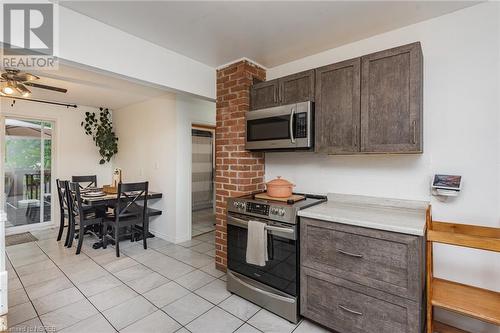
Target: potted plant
[100, 127]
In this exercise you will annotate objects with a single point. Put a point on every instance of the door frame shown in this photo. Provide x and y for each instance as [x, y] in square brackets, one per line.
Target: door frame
[208, 128]
[54, 138]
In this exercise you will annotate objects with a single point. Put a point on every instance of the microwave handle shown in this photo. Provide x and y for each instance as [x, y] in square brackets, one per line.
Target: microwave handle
[292, 112]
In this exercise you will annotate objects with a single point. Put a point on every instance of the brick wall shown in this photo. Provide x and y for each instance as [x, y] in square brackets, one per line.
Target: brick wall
[237, 171]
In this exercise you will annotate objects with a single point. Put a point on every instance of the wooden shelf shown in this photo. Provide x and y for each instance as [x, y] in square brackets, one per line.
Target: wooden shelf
[475, 302]
[483, 238]
[443, 328]
[466, 300]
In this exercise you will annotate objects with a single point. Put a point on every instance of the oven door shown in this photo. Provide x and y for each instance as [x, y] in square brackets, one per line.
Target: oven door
[281, 127]
[280, 271]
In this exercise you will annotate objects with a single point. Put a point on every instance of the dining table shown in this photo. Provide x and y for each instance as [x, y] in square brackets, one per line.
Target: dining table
[94, 197]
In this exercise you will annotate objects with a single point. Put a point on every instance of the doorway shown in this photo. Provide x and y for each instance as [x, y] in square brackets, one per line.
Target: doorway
[203, 173]
[27, 173]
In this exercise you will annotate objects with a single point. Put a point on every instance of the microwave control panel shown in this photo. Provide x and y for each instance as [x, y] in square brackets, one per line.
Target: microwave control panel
[301, 125]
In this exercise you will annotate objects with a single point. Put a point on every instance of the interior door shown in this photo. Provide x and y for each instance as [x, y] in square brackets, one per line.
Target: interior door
[27, 173]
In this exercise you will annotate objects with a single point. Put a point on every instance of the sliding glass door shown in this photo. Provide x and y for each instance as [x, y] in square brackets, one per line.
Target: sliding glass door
[27, 172]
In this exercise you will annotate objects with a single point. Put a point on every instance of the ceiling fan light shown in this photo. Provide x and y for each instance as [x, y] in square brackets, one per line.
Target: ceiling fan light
[7, 90]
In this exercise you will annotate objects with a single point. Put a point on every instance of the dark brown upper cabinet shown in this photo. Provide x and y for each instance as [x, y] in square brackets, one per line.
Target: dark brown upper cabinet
[391, 100]
[297, 88]
[337, 109]
[264, 94]
[290, 89]
[371, 104]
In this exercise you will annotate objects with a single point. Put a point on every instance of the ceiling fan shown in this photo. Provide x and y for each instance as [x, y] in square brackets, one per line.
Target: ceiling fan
[14, 82]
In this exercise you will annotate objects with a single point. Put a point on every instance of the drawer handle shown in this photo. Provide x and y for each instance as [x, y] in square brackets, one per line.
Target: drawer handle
[350, 254]
[350, 311]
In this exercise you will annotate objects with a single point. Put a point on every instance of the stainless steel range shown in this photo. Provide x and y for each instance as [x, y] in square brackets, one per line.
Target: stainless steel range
[274, 286]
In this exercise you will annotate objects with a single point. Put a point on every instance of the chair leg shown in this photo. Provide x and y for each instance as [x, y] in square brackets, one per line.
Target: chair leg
[61, 227]
[117, 242]
[104, 238]
[145, 231]
[80, 239]
[66, 242]
[71, 234]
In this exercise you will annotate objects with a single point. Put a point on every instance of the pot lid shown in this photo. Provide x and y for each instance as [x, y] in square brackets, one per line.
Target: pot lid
[279, 182]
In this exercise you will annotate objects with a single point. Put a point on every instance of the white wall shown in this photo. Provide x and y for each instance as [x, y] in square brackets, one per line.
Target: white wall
[155, 145]
[75, 152]
[461, 136]
[146, 151]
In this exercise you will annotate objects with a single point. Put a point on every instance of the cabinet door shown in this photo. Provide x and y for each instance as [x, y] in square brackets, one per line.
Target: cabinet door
[297, 88]
[337, 109]
[391, 100]
[264, 95]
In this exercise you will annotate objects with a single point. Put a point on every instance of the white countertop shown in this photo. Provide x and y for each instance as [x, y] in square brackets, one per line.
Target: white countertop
[403, 216]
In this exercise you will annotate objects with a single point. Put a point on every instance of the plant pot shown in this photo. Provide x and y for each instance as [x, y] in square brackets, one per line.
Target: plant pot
[279, 188]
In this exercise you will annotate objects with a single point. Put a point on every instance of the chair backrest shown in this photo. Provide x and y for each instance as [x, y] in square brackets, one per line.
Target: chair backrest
[62, 194]
[132, 201]
[75, 199]
[90, 180]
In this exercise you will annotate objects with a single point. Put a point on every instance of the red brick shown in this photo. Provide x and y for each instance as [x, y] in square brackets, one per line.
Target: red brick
[238, 171]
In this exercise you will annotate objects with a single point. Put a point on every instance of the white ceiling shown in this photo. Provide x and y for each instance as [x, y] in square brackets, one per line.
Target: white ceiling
[91, 88]
[270, 33]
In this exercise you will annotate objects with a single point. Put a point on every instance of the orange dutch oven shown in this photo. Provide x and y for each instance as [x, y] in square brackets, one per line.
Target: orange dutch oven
[279, 188]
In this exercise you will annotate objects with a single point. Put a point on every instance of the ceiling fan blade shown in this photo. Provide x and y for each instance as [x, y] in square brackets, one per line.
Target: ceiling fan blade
[25, 77]
[43, 86]
[21, 88]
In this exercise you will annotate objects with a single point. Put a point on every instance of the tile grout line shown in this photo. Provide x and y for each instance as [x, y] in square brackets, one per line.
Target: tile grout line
[140, 294]
[190, 292]
[85, 296]
[27, 295]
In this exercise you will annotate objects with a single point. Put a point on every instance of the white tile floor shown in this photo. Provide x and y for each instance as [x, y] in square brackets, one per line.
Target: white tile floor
[167, 288]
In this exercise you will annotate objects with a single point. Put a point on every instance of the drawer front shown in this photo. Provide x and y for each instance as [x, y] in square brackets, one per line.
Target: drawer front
[387, 261]
[341, 306]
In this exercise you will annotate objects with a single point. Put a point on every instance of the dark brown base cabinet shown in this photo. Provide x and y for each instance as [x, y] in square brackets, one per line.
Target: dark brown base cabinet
[360, 280]
[370, 104]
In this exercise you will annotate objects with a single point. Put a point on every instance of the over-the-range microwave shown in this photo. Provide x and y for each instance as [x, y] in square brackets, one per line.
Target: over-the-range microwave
[284, 127]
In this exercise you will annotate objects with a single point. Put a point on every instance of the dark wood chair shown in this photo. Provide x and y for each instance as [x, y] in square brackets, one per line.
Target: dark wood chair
[63, 207]
[130, 211]
[80, 215]
[90, 181]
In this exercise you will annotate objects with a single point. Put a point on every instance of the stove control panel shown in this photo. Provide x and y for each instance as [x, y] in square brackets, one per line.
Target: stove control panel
[277, 211]
[257, 208]
[239, 205]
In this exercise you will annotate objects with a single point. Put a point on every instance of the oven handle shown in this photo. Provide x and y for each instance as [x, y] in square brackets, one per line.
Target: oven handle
[244, 223]
[279, 229]
[292, 112]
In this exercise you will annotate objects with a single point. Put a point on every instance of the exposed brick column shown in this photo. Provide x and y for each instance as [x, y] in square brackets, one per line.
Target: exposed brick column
[237, 171]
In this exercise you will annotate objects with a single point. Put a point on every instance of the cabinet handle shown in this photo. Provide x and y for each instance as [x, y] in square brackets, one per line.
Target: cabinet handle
[414, 125]
[350, 254]
[355, 136]
[350, 311]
